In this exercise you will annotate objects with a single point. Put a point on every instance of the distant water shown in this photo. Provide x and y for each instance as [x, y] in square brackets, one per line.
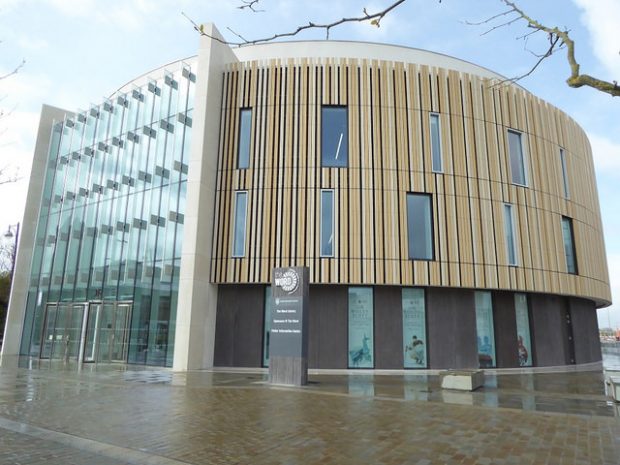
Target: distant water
[611, 355]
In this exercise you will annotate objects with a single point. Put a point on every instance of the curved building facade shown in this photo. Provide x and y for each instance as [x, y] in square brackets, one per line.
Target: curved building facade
[448, 219]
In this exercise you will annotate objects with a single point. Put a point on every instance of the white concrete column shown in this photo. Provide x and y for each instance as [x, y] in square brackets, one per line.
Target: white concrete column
[196, 308]
[23, 262]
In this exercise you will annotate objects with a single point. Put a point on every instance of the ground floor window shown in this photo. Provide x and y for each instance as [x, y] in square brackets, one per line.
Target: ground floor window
[361, 336]
[267, 326]
[524, 341]
[484, 330]
[414, 328]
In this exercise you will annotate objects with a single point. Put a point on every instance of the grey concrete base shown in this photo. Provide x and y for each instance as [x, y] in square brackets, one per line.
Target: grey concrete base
[613, 387]
[463, 380]
[291, 371]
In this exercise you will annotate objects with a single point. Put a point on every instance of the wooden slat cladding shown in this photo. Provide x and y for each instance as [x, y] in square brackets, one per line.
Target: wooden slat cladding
[389, 106]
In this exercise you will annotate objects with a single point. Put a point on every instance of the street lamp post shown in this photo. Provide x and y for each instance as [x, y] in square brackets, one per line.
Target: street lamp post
[9, 233]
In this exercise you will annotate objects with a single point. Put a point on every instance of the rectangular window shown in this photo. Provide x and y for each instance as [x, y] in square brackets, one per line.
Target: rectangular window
[245, 133]
[327, 223]
[267, 326]
[517, 158]
[361, 337]
[414, 328]
[240, 220]
[564, 173]
[509, 233]
[334, 136]
[569, 245]
[524, 341]
[419, 226]
[436, 143]
[484, 329]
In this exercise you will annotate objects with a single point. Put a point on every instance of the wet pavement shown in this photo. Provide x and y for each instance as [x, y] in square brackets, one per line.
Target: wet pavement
[51, 413]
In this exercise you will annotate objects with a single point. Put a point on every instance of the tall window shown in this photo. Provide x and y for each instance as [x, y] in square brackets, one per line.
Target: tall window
[436, 143]
[509, 233]
[327, 223]
[334, 136]
[361, 335]
[245, 132]
[564, 173]
[569, 245]
[240, 220]
[419, 227]
[267, 325]
[524, 340]
[517, 158]
[484, 329]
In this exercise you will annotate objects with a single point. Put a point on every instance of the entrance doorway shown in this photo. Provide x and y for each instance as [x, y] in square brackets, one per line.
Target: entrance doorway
[86, 332]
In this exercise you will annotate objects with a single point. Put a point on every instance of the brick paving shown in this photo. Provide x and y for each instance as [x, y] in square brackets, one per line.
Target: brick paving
[120, 415]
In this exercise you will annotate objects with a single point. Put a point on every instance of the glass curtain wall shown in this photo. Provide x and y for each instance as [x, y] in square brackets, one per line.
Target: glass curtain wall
[111, 220]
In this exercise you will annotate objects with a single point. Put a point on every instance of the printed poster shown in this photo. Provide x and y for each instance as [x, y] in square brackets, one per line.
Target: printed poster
[361, 349]
[414, 328]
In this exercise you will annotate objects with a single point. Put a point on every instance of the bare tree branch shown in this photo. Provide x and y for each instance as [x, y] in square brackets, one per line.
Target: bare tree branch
[250, 5]
[17, 68]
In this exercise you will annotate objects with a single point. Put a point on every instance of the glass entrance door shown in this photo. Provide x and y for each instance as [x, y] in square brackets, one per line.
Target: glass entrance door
[62, 331]
[107, 332]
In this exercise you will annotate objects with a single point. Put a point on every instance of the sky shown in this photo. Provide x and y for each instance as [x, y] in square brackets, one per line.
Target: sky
[78, 52]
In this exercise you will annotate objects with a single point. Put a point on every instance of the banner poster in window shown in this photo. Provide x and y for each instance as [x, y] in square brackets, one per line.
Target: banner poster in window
[524, 342]
[414, 328]
[361, 350]
[484, 330]
[267, 326]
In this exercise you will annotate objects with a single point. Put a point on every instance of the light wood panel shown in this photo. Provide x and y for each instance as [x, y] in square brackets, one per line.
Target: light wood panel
[389, 156]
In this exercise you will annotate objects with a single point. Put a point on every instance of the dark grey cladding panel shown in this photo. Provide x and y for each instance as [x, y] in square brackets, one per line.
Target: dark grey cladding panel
[328, 331]
[239, 326]
[388, 327]
[505, 330]
[549, 332]
[451, 318]
[585, 331]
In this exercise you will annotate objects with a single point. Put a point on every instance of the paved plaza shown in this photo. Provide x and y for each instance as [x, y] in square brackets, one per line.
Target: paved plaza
[114, 414]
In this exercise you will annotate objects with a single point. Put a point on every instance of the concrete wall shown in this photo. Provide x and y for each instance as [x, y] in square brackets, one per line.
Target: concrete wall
[239, 326]
[451, 326]
[585, 331]
[549, 333]
[505, 321]
[388, 327]
[328, 330]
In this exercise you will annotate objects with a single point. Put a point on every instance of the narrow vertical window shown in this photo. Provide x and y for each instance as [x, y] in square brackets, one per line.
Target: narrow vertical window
[267, 326]
[414, 328]
[524, 340]
[419, 227]
[484, 329]
[361, 336]
[517, 158]
[240, 220]
[334, 136]
[245, 132]
[509, 233]
[327, 223]
[436, 144]
[569, 245]
[564, 173]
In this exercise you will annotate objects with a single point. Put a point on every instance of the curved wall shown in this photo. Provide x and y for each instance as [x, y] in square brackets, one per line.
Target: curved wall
[388, 105]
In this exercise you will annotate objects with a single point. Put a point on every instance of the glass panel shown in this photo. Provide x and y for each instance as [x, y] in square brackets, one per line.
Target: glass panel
[92, 333]
[120, 336]
[484, 330]
[564, 173]
[106, 333]
[334, 137]
[327, 223]
[48, 332]
[361, 336]
[436, 143]
[509, 233]
[61, 337]
[569, 246]
[245, 133]
[414, 328]
[419, 230]
[267, 326]
[239, 229]
[524, 342]
[517, 161]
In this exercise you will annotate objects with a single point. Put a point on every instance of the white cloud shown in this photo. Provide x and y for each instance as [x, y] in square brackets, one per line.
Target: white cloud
[606, 154]
[602, 18]
[32, 44]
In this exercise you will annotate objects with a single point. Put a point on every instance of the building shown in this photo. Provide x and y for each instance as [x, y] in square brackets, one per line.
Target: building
[448, 218]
